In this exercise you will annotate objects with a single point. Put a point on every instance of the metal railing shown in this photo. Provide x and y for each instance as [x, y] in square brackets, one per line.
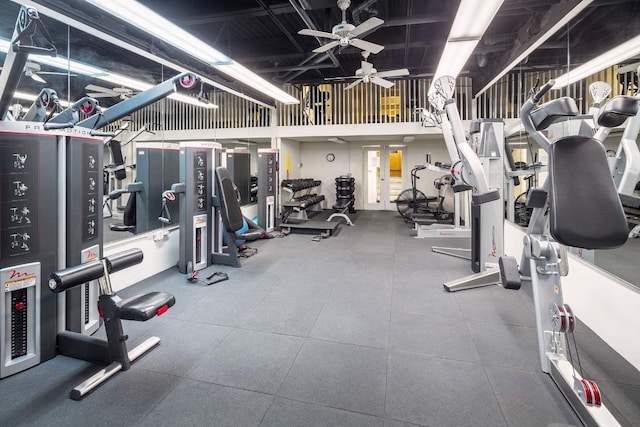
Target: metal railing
[331, 104]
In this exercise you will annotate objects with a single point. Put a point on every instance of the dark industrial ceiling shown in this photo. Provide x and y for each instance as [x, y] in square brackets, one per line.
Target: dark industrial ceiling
[263, 36]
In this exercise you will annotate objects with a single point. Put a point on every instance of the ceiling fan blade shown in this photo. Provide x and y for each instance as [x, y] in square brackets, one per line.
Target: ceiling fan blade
[37, 78]
[99, 95]
[316, 33]
[367, 25]
[326, 47]
[57, 73]
[98, 88]
[352, 85]
[393, 73]
[381, 82]
[366, 67]
[340, 78]
[365, 45]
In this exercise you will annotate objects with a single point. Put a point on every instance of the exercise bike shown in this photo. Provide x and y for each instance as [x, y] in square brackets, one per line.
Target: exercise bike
[411, 202]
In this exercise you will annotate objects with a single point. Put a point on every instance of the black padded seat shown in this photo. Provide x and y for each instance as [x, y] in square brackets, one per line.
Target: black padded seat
[617, 110]
[230, 211]
[550, 112]
[585, 210]
[342, 204]
[143, 307]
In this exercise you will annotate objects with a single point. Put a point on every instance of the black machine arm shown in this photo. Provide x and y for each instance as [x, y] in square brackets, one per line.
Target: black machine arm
[185, 82]
[22, 45]
[69, 116]
[62, 280]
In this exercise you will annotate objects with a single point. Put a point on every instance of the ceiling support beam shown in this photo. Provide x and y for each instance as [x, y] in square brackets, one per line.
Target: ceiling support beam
[538, 24]
[293, 68]
[276, 9]
[314, 57]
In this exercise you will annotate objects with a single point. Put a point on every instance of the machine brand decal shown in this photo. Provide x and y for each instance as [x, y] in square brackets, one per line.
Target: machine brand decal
[18, 280]
[19, 275]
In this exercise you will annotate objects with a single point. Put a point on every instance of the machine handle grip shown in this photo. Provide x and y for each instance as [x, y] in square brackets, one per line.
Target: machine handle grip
[543, 90]
[62, 280]
[125, 259]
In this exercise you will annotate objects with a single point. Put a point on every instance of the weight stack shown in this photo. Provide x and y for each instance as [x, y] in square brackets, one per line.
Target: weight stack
[345, 189]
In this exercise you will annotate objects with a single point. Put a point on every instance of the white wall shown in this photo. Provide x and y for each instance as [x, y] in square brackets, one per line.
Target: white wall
[606, 304]
[349, 158]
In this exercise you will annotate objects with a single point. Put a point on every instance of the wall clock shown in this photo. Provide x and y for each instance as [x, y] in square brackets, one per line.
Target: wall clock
[331, 157]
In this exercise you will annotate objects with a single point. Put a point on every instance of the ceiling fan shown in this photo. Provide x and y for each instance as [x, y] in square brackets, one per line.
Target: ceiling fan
[367, 74]
[345, 34]
[103, 92]
[33, 70]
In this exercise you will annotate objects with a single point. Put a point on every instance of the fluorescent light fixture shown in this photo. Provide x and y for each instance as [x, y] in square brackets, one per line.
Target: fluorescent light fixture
[611, 57]
[154, 24]
[337, 140]
[453, 58]
[472, 20]
[44, 10]
[76, 67]
[558, 25]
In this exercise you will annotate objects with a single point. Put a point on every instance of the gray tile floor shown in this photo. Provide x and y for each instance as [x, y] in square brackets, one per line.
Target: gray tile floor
[354, 330]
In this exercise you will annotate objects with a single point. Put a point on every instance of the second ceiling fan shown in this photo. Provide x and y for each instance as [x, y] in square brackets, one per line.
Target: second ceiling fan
[368, 74]
[345, 34]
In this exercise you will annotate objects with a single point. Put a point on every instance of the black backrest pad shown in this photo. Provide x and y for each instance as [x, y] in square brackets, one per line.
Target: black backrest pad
[229, 206]
[129, 215]
[585, 210]
[552, 111]
[118, 160]
[617, 110]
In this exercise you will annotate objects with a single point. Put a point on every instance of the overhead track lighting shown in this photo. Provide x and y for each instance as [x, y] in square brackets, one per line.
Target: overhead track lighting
[75, 67]
[611, 57]
[471, 21]
[543, 38]
[145, 19]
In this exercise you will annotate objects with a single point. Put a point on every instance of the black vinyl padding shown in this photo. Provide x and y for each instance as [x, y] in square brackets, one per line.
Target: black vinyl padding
[550, 112]
[118, 160]
[129, 214]
[60, 281]
[229, 207]
[584, 209]
[144, 307]
[617, 110]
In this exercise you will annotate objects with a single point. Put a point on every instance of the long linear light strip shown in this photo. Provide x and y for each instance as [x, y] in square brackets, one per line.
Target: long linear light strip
[140, 52]
[77, 67]
[472, 20]
[558, 25]
[161, 28]
[613, 56]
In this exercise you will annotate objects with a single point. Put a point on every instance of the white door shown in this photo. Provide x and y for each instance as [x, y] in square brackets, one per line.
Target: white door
[384, 175]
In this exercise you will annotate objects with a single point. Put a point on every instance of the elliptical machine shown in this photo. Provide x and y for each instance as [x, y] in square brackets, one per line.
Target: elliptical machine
[564, 214]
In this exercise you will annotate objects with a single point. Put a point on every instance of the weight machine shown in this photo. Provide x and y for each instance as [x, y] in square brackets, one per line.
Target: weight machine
[564, 215]
[484, 175]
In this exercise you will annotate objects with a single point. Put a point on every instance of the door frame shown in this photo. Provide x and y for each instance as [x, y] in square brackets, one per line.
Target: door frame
[385, 202]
